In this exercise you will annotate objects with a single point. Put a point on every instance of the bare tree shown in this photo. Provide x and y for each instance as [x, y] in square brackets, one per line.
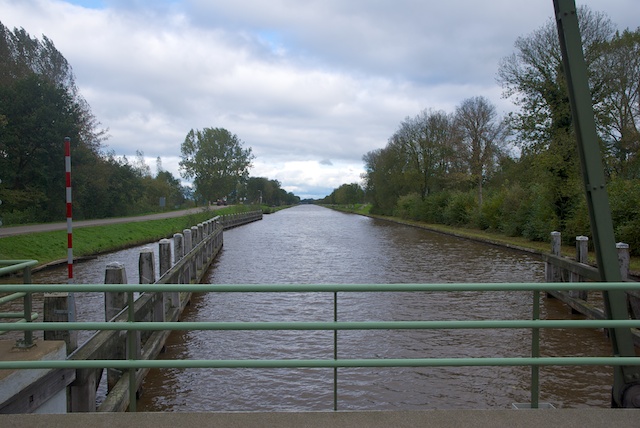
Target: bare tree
[483, 135]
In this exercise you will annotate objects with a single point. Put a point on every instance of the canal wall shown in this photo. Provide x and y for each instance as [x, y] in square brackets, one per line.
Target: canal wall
[193, 250]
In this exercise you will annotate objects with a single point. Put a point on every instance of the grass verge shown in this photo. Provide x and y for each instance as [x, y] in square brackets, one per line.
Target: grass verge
[47, 247]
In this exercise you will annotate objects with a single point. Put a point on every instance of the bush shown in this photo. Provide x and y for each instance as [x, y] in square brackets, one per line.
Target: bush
[460, 209]
[408, 207]
[542, 219]
[491, 211]
[433, 208]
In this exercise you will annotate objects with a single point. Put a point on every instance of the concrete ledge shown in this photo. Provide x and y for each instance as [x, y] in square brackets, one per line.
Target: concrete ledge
[40, 391]
[570, 418]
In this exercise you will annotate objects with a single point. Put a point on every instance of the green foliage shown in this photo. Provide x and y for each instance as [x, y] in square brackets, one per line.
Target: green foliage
[459, 210]
[216, 161]
[434, 206]
[408, 206]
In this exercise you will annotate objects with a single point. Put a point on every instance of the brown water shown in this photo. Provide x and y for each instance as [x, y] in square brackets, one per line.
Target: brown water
[309, 244]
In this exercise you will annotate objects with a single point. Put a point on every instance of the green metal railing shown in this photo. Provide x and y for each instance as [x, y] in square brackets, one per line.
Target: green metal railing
[131, 326]
[8, 267]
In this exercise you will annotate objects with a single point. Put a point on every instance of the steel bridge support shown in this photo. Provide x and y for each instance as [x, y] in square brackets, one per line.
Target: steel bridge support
[626, 386]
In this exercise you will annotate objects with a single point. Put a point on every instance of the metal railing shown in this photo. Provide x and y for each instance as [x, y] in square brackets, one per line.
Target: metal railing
[535, 361]
[8, 267]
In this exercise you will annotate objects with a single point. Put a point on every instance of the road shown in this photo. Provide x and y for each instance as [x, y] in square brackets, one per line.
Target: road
[48, 227]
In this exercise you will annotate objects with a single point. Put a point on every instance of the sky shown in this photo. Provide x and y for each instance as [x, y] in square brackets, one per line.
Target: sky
[309, 85]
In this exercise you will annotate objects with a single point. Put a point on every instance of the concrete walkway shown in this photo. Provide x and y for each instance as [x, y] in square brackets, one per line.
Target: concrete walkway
[578, 418]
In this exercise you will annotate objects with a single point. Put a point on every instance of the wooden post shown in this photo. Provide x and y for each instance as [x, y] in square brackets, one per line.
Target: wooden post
[633, 297]
[195, 240]
[114, 303]
[165, 255]
[146, 266]
[178, 253]
[582, 256]
[56, 309]
[148, 276]
[551, 272]
[178, 247]
[188, 245]
[198, 255]
[115, 273]
[623, 260]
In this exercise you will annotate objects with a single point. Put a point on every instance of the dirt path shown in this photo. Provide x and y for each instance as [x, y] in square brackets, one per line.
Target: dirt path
[48, 227]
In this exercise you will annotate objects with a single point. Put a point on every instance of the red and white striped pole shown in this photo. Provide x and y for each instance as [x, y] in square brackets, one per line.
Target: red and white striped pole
[67, 164]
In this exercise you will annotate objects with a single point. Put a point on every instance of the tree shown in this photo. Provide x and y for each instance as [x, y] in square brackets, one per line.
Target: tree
[39, 106]
[534, 78]
[216, 161]
[621, 124]
[483, 136]
[38, 116]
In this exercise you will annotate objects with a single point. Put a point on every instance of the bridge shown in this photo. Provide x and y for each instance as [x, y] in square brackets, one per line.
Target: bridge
[625, 390]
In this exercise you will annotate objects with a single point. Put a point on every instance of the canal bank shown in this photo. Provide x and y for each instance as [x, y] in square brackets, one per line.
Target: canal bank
[491, 238]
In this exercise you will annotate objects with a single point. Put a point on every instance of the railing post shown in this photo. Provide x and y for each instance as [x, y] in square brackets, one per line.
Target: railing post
[582, 256]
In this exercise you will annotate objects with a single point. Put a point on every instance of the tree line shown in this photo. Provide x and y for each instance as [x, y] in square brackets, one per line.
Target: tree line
[40, 104]
[520, 174]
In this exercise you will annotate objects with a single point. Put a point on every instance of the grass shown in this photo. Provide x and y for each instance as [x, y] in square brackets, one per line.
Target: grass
[47, 247]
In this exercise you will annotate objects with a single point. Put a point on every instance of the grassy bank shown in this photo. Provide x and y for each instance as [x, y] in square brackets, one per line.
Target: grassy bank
[484, 236]
[47, 247]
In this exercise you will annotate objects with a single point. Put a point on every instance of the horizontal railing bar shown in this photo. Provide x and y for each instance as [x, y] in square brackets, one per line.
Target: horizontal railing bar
[351, 363]
[34, 315]
[11, 298]
[12, 266]
[271, 288]
[322, 325]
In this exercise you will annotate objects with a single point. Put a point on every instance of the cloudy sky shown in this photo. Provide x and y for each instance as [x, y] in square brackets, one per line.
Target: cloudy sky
[309, 85]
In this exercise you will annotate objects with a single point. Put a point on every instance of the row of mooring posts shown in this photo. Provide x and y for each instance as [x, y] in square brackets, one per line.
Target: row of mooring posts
[560, 269]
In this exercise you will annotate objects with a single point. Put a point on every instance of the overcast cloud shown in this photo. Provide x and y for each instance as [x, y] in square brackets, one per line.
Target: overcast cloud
[310, 86]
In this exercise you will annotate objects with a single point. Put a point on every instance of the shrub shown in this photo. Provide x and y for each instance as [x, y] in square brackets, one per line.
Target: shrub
[460, 209]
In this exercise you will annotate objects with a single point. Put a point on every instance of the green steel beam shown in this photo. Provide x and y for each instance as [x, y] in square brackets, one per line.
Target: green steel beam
[330, 363]
[596, 193]
[315, 288]
[321, 325]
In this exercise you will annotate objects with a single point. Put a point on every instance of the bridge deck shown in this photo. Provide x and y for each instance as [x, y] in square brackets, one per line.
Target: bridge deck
[431, 418]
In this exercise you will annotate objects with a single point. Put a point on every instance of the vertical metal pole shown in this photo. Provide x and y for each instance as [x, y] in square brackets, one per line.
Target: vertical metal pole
[131, 351]
[335, 352]
[67, 163]
[595, 188]
[535, 352]
[28, 299]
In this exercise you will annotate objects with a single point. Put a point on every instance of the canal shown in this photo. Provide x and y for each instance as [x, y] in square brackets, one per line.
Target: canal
[310, 244]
